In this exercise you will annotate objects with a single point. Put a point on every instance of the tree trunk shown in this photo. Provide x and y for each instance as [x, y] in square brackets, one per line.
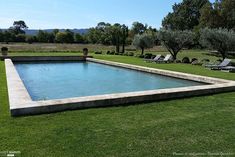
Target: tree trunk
[174, 55]
[118, 45]
[142, 51]
[123, 47]
[223, 55]
[117, 48]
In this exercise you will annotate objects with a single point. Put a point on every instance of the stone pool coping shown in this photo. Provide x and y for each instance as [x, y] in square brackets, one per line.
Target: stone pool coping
[22, 104]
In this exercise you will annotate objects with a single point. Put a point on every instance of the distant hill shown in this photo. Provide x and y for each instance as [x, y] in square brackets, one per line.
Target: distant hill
[35, 31]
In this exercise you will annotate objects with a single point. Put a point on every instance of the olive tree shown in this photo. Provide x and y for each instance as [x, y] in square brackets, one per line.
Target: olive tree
[143, 41]
[221, 40]
[174, 41]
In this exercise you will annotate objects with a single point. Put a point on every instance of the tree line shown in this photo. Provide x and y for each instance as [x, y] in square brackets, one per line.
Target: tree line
[193, 23]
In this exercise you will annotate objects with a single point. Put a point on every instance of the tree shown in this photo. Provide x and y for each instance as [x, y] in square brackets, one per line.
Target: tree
[1, 36]
[70, 36]
[116, 32]
[19, 27]
[220, 14]
[174, 41]
[64, 37]
[45, 37]
[228, 13]
[221, 40]
[20, 38]
[30, 39]
[185, 15]
[143, 41]
[124, 37]
[79, 38]
[8, 36]
[138, 28]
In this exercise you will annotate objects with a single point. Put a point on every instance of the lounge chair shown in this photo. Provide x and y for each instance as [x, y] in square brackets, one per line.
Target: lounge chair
[228, 69]
[158, 57]
[167, 59]
[225, 63]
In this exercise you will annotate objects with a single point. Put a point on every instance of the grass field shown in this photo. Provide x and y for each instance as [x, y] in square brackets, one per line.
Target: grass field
[192, 125]
[56, 47]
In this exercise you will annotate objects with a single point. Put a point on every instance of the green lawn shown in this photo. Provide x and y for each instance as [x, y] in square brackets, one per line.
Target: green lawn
[199, 124]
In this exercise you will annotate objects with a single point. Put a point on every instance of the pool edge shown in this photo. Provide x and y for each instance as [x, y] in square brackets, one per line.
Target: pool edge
[21, 103]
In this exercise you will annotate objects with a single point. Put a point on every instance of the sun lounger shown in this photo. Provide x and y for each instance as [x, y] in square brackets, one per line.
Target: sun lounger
[158, 57]
[167, 59]
[228, 69]
[225, 63]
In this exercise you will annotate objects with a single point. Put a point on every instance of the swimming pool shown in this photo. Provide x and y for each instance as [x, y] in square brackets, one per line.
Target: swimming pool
[58, 80]
[36, 86]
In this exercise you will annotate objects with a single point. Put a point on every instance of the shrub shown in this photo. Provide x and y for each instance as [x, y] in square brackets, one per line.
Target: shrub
[108, 52]
[186, 60]
[140, 56]
[112, 53]
[153, 56]
[194, 59]
[85, 51]
[116, 53]
[130, 54]
[4, 51]
[148, 55]
[178, 61]
[99, 53]
[196, 62]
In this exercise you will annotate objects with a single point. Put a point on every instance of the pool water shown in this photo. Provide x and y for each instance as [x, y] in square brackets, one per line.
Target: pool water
[58, 80]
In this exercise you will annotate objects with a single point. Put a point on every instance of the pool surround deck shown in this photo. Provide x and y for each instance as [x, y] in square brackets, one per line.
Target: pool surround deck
[22, 104]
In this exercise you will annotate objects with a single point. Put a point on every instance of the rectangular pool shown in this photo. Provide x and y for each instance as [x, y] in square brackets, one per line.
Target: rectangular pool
[39, 85]
[58, 80]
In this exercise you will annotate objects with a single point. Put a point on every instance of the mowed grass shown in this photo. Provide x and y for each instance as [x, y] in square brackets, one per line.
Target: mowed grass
[191, 125]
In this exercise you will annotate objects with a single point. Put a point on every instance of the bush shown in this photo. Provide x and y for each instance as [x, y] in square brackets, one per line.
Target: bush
[196, 62]
[99, 53]
[112, 53]
[194, 59]
[116, 53]
[178, 61]
[140, 56]
[186, 60]
[153, 56]
[148, 55]
[125, 54]
[130, 54]
[4, 49]
[108, 52]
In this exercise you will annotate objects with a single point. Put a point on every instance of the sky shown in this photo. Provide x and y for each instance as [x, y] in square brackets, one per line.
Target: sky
[44, 14]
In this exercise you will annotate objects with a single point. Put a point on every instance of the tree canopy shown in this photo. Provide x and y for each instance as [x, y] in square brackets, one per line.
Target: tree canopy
[19, 27]
[221, 40]
[143, 41]
[174, 41]
[220, 14]
[185, 15]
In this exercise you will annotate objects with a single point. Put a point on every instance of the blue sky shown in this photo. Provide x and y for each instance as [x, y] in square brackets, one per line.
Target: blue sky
[41, 14]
